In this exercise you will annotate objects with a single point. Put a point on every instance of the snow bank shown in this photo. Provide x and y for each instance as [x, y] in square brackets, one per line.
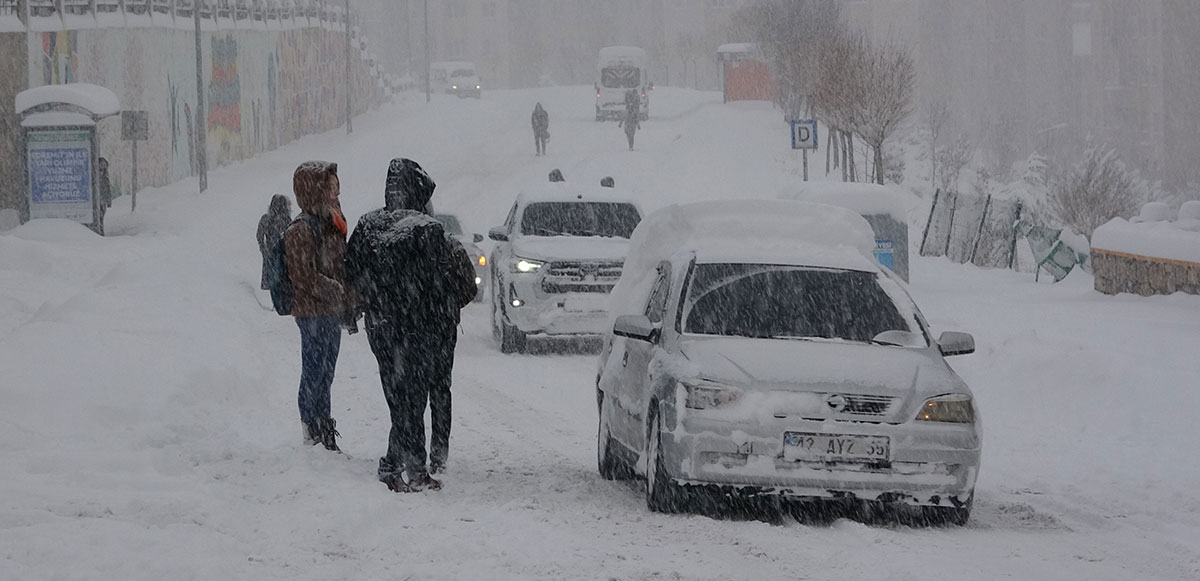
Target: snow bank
[1155, 239]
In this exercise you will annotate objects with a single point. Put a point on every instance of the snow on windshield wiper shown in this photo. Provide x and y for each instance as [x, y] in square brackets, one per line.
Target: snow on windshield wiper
[813, 339]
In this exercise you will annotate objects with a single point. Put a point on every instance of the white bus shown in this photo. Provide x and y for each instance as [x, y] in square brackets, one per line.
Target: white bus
[618, 70]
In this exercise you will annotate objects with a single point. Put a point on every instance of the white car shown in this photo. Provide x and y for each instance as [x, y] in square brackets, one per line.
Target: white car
[757, 348]
[557, 257]
[455, 78]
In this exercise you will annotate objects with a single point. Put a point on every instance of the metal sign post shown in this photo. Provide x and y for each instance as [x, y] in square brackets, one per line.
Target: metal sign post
[135, 127]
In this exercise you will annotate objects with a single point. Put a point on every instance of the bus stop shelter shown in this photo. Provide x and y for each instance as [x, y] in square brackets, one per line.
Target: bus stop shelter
[61, 153]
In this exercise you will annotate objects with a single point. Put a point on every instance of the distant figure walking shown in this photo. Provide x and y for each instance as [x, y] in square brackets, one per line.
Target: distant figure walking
[271, 227]
[556, 176]
[105, 186]
[541, 128]
[607, 182]
[632, 121]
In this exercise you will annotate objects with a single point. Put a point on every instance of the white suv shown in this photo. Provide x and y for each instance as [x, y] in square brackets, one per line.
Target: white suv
[558, 256]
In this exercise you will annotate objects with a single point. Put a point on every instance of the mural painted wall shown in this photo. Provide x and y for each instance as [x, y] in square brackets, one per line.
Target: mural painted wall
[263, 89]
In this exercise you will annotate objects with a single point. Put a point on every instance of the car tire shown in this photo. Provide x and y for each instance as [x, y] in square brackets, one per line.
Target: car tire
[511, 339]
[940, 516]
[608, 464]
[662, 494]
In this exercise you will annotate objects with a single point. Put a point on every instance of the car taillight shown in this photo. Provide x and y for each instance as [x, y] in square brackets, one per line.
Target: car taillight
[482, 260]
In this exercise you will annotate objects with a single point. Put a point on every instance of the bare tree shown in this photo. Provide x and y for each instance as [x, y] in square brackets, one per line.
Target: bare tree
[1097, 190]
[884, 91]
[937, 116]
[952, 160]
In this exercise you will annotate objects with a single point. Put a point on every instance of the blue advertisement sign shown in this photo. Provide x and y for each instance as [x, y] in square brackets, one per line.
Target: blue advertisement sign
[885, 253]
[60, 175]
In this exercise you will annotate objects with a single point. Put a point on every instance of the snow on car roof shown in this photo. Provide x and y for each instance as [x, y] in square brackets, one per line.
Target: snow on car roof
[100, 101]
[566, 192]
[864, 199]
[786, 253]
[614, 54]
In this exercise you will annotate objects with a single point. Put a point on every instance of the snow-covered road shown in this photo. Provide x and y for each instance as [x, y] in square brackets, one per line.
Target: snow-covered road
[148, 420]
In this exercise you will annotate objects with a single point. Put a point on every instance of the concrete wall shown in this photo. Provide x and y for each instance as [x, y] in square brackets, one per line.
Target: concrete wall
[263, 89]
[1127, 273]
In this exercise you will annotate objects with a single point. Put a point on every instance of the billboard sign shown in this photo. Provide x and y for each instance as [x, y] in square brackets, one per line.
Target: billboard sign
[60, 175]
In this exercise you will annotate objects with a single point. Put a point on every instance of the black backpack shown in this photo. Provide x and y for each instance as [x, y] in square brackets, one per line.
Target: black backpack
[278, 280]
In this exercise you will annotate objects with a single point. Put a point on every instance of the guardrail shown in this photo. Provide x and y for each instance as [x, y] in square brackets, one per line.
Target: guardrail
[219, 13]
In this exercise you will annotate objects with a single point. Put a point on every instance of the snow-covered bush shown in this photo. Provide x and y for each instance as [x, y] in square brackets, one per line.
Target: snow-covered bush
[1097, 190]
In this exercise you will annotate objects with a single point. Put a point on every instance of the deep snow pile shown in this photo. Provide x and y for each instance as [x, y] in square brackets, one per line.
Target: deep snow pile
[149, 424]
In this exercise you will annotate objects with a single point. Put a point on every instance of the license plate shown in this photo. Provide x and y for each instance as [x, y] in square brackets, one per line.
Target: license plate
[834, 447]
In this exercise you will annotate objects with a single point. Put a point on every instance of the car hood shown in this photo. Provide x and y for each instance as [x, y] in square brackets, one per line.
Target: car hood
[571, 248]
[789, 365]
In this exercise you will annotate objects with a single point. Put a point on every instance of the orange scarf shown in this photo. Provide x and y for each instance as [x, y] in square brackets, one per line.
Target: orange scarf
[339, 221]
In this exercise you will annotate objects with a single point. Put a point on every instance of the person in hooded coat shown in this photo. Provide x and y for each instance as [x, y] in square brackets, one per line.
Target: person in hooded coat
[632, 121]
[541, 128]
[271, 227]
[412, 279]
[315, 250]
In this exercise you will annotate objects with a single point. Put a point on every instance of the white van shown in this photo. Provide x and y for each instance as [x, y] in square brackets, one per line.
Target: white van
[455, 78]
[619, 70]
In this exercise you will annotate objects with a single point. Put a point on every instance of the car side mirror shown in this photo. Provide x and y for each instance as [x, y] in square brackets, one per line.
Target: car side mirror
[636, 327]
[477, 238]
[498, 233]
[951, 344]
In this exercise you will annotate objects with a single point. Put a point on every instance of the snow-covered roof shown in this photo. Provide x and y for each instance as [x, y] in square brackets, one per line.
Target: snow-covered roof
[737, 48]
[622, 54]
[864, 199]
[568, 192]
[749, 229]
[100, 101]
[57, 119]
[1176, 241]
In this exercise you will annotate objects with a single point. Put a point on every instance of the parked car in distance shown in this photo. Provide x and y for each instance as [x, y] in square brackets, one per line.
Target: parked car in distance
[558, 255]
[455, 78]
[471, 243]
[757, 348]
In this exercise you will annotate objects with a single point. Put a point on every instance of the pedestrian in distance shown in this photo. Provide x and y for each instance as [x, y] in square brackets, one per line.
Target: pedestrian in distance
[632, 120]
[556, 176]
[271, 227]
[541, 129]
[315, 250]
[411, 279]
[607, 182]
[104, 185]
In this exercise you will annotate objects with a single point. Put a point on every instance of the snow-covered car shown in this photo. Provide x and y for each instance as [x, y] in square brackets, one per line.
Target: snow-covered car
[471, 243]
[757, 348]
[558, 256]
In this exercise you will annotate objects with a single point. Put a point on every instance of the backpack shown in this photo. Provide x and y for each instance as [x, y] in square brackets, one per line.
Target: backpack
[278, 280]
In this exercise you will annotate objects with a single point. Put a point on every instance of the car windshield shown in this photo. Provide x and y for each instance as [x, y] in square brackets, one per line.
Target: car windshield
[620, 77]
[462, 73]
[789, 302]
[450, 223]
[608, 219]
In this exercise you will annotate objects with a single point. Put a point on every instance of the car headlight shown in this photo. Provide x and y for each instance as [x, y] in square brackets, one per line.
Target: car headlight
[705, 394]
[952, 409]
[526, 265]
[455, 87]
[476, 86]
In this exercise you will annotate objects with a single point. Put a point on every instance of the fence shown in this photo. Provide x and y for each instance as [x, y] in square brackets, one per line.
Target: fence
[972, 229]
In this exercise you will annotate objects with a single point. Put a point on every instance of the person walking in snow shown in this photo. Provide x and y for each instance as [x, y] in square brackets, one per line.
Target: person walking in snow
[412, 278]
[271, 227]
[632, 120]
[314, 249]
[556, 176]
[607, 182]
[541, 129]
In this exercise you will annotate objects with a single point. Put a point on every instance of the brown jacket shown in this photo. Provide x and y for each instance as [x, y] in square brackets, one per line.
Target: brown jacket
[318, 270]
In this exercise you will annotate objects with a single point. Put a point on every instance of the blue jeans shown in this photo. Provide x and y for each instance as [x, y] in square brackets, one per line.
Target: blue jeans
[320, 341]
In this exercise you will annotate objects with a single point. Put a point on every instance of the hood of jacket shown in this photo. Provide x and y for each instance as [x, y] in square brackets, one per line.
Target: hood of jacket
[310, 184]
[280, 206]
[408, 186]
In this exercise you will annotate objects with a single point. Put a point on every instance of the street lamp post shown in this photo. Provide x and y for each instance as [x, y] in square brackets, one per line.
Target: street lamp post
[349, 74]
[201, 127]
[427, 89]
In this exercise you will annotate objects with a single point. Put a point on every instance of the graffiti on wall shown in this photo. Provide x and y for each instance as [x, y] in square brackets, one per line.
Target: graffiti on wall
[60, 59]
[225, 99]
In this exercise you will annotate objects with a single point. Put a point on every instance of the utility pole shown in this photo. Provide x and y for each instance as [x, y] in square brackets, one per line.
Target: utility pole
[201, 126]
[427, 89]
[349, 74]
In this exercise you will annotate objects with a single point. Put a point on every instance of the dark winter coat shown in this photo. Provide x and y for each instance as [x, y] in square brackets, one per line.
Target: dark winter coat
[271, 227]
[317, 270]
[540, 121]
[410, 276]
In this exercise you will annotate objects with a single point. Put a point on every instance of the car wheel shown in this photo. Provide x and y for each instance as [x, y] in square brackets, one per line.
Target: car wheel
[496, 317]
[939, 516]
[610, 467]
[512, 340]
[662, 494]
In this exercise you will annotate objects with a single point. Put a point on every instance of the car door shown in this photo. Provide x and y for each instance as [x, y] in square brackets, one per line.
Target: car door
[633, 389]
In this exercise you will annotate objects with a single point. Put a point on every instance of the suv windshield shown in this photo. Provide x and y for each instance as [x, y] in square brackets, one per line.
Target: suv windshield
[450, 223]
[462, 73]
[608, 219]
[789, 302]
[620, 78]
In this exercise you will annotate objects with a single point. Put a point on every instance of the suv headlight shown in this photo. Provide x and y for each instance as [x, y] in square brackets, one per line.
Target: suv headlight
[526, 265]
[952, 409]
[706, 394]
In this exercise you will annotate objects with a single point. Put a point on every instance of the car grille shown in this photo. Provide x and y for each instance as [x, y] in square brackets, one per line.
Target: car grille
[580, 277]
[867, 405]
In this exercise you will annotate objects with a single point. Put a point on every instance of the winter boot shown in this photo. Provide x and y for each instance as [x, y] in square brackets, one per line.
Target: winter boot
[395, 482]
[311, 433]
[328, 433]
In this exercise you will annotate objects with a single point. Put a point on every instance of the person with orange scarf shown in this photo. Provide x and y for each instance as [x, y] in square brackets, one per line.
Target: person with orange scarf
[315, 249]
